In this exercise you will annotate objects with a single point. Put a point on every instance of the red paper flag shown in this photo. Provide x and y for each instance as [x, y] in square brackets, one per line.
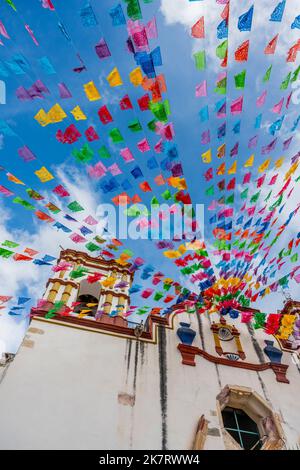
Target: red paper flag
[125, 103]
[241, 54]
[104, 115]
[270, 48]
[198, 29]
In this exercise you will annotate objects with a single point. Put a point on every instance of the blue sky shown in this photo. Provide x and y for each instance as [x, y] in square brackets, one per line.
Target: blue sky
[174, 20]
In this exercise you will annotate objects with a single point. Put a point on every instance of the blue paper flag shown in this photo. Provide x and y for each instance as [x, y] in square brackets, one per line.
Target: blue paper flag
[245, 20]
[278, 12]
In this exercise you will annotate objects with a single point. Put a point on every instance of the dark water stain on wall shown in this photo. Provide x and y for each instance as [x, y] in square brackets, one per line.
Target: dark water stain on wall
[142, 352]
[128, 357]
[218, 376]
[200, 329]
[162, 359]
[136, 360]
[263, 386]
[256, 346]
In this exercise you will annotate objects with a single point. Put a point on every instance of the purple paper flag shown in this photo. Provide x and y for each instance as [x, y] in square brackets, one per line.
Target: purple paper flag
[26, 154]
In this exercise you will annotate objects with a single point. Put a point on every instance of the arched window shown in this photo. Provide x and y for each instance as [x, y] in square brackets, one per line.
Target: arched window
[86, 302]
[242, 428]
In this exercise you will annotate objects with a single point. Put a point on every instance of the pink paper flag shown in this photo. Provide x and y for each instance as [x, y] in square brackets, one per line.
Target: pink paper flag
[48, 4]
[126, 155]
[288, 100]
[277, 107]
[201, 89]
[158, 146]
[287, 142]
[90, 220]
[236, 106]
[297, 278]
[205, 137]
[60, 191]
[273, 179]
[143, 146]
[247, 178]
[114, 169]
[31, 34]
[97, 171]
[151, 29]
[261, 99]
[6, 192]
[76, 238]
[3, 31]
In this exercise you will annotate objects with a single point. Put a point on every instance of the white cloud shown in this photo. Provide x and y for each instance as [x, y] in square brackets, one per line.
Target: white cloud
[187, 13]
[17, 276]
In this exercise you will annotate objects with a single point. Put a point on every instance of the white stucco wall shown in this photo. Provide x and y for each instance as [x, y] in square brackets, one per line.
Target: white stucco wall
[62, 391]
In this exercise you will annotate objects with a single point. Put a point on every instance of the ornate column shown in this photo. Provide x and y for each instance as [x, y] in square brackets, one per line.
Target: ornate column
[53, 292]
[121, 301]
[108, 300]
[67, 292]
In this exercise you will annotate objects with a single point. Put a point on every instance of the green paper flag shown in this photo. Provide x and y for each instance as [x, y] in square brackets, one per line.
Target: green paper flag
[210, 191]
[230, 199]
[10, 244]
[154, 201]
[34, 194]
[78, 272]
[244, 194]
[294, 258]
[5, 253]
[267, 75]
[221, 50]
[92, 246]
[75, 206]
[103, 152]
[255, 197]
[295, 74]
[10, 2]
[134, 10]
[27, 205]
[286, 82]
[84, 155]
[200, 60]
[160, 110]
[167, 195]
[152, 125]
[134, 126]
[116, 135]
[240, 80]
[221, 86]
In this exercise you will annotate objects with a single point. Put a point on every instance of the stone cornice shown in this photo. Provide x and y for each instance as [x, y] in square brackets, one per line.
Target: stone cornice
[87, 260]
[188, 354]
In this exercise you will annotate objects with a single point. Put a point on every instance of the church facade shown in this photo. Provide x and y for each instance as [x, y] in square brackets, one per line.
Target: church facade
[90, 381]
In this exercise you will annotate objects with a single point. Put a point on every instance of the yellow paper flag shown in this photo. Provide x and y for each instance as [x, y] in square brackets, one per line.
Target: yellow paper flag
[221, 169]
[291, 170]
[14, 179]
[44, 175]
[249, 162]
[114, 78]
[136, 76]
[264, 166]
[171, 254]
[56, 114]
[78, 114]
[279, 162]
[232, 169]
[91, 91]
[221, 151]
[206, 156]
[42, 118]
